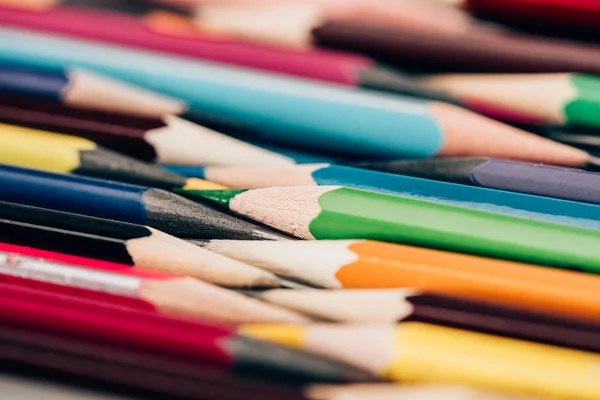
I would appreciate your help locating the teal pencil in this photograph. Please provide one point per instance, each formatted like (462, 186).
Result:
(333, 119)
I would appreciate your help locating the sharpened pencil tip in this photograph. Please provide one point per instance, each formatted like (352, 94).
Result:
(201, 184)
(221, 198)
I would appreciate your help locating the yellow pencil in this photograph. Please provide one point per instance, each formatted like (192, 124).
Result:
(55, 152)
(422, 353)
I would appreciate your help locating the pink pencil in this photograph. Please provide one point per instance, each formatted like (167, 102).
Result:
(163, 33)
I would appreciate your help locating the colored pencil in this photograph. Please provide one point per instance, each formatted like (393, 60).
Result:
(333, 212)
(334, 119)
(172, 33)
(525, 206)
(417, 352)
(121, 371)
(170, 294)
(168, 139)
(83, 89)
(290, 24)
(382, 391)
(541, 180)
(363, 264)
(192, 342)
(139, 205)
(389, 306)
(488, 49)
(122, 243)
(559, 99)
(584, 139)
(55, 152)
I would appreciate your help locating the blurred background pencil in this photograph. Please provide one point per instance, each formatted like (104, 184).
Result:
(69, 154)
(341, 120)
(83, 89)
(558, 99)
(173, 33)
(169, 139)
(140, 205)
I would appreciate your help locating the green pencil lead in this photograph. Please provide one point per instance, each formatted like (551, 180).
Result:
(218, 197)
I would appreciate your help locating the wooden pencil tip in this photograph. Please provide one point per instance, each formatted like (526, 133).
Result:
(201, 184)
(470, 134)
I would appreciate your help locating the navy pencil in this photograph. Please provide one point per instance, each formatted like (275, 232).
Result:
(141, 205)
(83, 89)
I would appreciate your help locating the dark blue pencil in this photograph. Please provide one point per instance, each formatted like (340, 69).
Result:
(82, 89)
(141, 205)
(498, 201)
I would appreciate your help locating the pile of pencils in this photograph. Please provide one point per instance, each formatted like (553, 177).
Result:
(302, 199)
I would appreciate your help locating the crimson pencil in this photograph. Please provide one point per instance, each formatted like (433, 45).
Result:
(195, 342)
(164, 294)
(163, 32)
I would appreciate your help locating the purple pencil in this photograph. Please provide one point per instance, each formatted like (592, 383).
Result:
(513, 176)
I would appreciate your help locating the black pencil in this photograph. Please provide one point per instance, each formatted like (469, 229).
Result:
(123, 243)
(69, 154)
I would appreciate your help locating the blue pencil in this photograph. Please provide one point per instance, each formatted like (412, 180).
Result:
(498, 201)
(82, 89)
(330, 118)
(141, 205)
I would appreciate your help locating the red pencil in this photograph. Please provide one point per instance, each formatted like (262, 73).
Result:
(191, 341)
(166, 294)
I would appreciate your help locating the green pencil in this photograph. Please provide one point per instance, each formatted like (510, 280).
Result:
(557, 98)
(333, 212)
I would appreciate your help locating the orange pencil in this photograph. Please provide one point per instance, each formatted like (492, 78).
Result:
(364, 264)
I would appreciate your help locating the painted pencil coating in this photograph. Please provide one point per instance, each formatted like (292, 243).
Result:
(334, 119)
(22, 81)
(341, 213)
(140, 205)
(417, 352)
(512, 176)
(503, 202)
